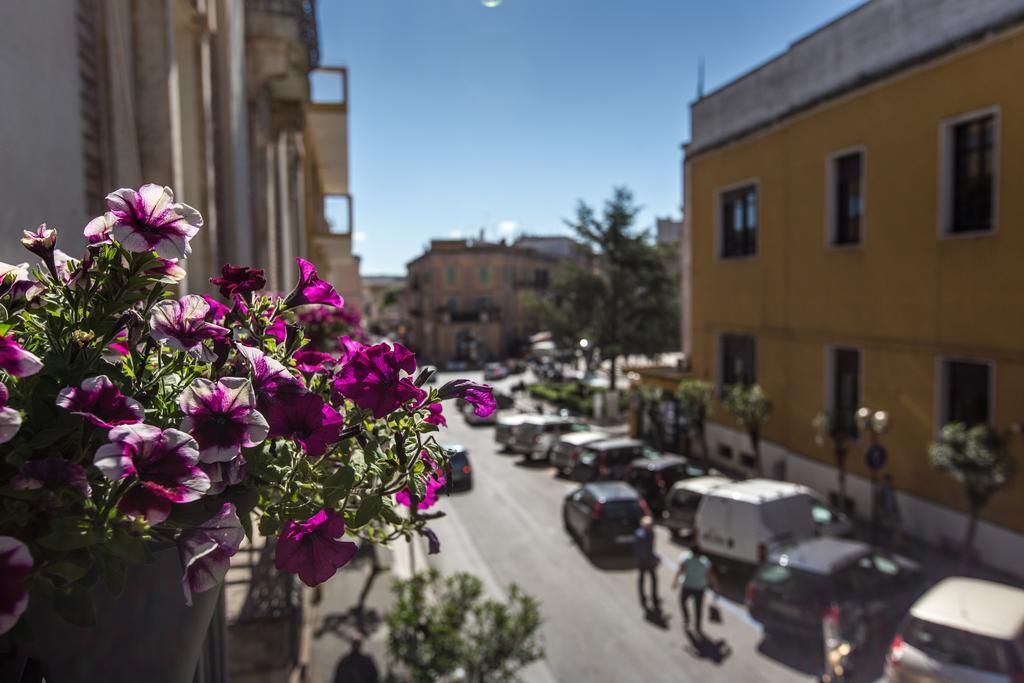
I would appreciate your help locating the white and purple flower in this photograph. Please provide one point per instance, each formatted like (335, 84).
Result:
(207, 549)
(224, 474)
(165, 463)
(101, 403)
(52, 474)
(10, 419)
(182, 325)
(150, 220)
(98, 229)
(15, 565)
(16, 360)
(222, 417)
(41, 241)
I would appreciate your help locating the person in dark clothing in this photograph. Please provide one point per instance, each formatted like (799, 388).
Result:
(356, 666)
(646, 560)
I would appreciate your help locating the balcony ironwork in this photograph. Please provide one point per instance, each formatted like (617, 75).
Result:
(304, 12)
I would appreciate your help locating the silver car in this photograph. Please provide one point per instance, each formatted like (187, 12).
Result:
(567, 449)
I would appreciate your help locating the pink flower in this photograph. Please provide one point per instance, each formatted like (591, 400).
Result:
(272, 382)
(165, 463)
(435, 482)
(312, 361)
(10, 419)
(182, 325)
(16, 360)
(98, 229)
(372, 379)
(434, 416)
(311, 289)
(52, 474)
(222, 417)
(149, 220)
(218, 311)
(206, 550)
(312, 550)
(15, 565)
(240, 280)
(308, 421)
(349, 348)
(101, 403)
(481, 396)
(166, 270)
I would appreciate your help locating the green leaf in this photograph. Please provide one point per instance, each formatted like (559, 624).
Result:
(113, 573)
(48, 437)
(69, 534)
(391, 515)
(76, 607)
(68, 570)
(337, 486)
(3, 313)
(368, 509)
(128, 547)
(268, 526)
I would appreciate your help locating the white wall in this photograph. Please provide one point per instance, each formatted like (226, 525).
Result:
(41, 172)
(936, 525)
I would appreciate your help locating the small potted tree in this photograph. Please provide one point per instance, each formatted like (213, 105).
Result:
(751, 408)
(696, 397)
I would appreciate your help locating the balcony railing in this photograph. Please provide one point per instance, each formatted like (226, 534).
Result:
(304, 12)
(483, 315)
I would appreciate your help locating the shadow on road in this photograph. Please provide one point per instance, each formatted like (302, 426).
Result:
(656, 617)
(613, 562)
(533, 464)
(803, 655)
(716, 651)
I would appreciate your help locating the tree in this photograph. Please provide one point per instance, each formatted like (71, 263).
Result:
(438, 627)
(976, 457)
(837, 428)
(751, 408)
(627, 303)
(696, 397)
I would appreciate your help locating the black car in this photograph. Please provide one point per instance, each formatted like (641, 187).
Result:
(602, 516)
(460, 472)
(867, 590)
(653, 477)
(607, 460)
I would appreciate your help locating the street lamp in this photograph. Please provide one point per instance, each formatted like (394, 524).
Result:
(828, 425)
(875, 423)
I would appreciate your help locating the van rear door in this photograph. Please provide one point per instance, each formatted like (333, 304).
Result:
(785, 521)
(714, 526)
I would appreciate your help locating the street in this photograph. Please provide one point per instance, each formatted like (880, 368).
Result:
(508, 528)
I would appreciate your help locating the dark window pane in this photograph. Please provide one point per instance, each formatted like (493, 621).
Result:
(967, 389)
(738, 360)
(849, 198)
(973, 146)
(739, 222)
(846, 388)
(959, 648)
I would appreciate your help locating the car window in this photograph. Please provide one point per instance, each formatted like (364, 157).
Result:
(791, 585)
(621, 509)
(577, 497)
(459, 459)
(885, 565)
(647, 452)
(695, 471)
(960, 648)
(821, 514)
(578, 427)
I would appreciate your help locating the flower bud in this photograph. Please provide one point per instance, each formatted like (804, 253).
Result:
(41, 242)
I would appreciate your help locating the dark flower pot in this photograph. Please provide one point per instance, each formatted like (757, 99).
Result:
(146, 633)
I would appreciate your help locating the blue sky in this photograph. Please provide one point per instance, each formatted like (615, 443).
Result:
(464, 117)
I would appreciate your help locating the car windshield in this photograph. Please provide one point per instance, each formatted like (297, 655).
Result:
(959, 648)
(459, 459)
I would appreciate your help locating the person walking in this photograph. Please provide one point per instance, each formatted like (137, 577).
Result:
(646, 561)
(889, 513)
(697, 574)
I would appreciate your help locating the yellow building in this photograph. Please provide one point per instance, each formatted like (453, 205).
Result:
(855, 237)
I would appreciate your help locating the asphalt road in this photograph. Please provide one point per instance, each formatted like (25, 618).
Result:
(508, 529)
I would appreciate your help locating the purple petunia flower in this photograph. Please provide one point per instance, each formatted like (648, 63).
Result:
(271, 380)
(41, 241)
(312, 550)
(101, 403)
(372, 379)
(207, 549)
(224, 474)
(434, 416)
(16, 360)
(240, 280)
(278, 331)
(349, 348)
(149, 220)
(10, 419)
(308, 421)
(311, 289)
(434, 483)
(481, 396)
(433, 542)
(52, 474)
(166, 269)
(218, 311)
(182, 325)
(165, 462)
(222, 417)
(98, 229)
(312, 361)
(15, 564)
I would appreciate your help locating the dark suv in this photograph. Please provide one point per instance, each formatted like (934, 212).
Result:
(602, 516)
(653, 477)
(607, 460)
(867, 590)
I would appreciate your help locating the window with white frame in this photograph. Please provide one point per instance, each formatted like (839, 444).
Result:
(970, 148)
(738, 211)
(965, 392)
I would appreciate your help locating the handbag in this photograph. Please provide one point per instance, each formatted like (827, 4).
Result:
(714, 611)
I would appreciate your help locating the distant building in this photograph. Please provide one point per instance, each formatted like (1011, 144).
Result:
(668, 231)
(382, 307)
(466, 300)
(559, 246)
(855, 228)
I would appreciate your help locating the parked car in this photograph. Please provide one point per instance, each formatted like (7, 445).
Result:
(608, 459)
(568, 447)
(653, 477)
(495, 371)
(505, 425)
(682, 502)
(747, 520)
(460, 472)
(961, 630)
(602, 516)
(535, 435)
(864, 589)
(516, 366)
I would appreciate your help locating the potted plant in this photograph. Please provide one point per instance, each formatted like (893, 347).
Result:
(144, 434)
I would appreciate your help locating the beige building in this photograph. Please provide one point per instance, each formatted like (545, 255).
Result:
(382, 309)
(469, 300)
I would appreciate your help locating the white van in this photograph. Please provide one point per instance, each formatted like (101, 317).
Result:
(746, 520)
